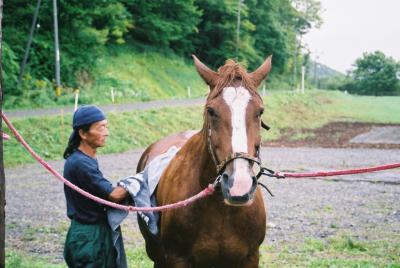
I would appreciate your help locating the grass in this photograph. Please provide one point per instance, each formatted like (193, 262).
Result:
(341, 251)
(143, 76)
(17, 259)
(138, 129)
(133, 75)
(48, 136)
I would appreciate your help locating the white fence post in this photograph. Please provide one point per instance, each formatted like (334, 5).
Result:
(112, 95)
(76, 99)
(303, 70)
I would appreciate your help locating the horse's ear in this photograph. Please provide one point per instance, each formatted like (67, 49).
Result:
(208, 75)
(259, 75)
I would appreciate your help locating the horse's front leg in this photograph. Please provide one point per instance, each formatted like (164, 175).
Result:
(251, 261)
(173, 262)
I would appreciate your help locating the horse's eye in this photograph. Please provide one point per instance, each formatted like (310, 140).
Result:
(259, 114)
(212, 112)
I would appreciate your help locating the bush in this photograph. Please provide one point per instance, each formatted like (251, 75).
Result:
(374, 74)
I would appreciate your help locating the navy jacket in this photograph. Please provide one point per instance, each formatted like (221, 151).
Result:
(83, 171)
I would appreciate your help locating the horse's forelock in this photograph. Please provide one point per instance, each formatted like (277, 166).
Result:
(231, 72)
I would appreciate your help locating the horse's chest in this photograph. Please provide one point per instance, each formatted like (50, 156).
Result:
(208, 247)
(215, 236)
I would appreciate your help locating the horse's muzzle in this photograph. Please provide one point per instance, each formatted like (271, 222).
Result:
(237, 200)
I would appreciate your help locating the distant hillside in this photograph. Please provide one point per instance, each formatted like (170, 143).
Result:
(317, 70)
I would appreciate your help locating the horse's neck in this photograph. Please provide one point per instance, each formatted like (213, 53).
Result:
(201, 163)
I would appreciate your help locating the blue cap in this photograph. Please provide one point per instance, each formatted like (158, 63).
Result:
(87, 114)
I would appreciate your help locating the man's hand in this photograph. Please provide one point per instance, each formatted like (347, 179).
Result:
(118, 194)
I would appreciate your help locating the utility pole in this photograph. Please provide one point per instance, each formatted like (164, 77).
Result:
(2, 177)
(238, 29)
(28, 44)
(56, 49)
(295, 64)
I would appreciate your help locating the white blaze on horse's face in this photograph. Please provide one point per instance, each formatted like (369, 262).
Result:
(238, 99)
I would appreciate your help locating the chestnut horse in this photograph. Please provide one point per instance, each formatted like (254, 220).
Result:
(226, 228)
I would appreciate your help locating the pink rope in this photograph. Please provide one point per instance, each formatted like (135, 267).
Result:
(338, 172)
(207, 191)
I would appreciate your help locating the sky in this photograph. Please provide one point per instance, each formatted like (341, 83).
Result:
(352, 27)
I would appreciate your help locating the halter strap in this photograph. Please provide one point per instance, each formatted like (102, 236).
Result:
(221, 166)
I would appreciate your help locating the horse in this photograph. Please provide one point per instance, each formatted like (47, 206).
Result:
(227, 228)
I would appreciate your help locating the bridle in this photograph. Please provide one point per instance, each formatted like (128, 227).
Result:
(220, 166)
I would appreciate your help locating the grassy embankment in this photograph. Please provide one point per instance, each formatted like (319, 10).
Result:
(133, 75)
(137, 129)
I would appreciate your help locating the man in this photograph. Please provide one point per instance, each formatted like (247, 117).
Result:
(89, 239)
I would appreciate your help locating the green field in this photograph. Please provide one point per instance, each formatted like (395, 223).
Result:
(137, 129)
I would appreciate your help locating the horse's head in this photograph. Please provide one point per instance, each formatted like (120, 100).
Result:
(232, 123)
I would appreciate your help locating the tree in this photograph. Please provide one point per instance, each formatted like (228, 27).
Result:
(274, 31)
(164, 23)
(2, 177)
(374, 74)
(85, 27)
(216, 40)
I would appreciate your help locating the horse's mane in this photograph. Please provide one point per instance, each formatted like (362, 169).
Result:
(228, 74)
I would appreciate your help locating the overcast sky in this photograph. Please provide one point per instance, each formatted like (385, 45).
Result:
(352, 27)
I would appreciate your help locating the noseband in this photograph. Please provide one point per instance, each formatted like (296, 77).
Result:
(222, 165)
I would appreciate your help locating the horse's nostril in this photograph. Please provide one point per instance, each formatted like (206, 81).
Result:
(226, 180)
(255, 181)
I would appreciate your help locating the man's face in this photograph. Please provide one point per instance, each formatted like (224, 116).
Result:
(96, 136)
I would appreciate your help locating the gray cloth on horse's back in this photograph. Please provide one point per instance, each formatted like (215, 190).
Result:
(141, 188)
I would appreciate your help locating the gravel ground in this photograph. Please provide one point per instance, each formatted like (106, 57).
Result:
(365, 206)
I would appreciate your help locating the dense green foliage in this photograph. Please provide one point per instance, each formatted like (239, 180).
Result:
(375, 74)
(84, 28)
(206, 28)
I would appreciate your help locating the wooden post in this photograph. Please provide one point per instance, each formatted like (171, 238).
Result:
(28, 44)
(2, 177)
(56, 50)
(238, 30)
(188, 92)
